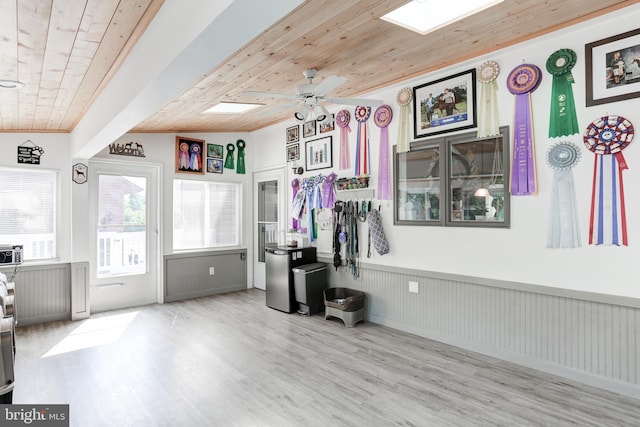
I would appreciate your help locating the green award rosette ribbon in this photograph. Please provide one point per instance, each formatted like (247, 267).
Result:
(241, 144)
(229, 162)
(563, 120)
(488, 117)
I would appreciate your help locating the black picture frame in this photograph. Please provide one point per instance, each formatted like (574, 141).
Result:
(215, 151)
(293, 134)
(434, 115)
(319, 153)
(293, 152)
(309, 129)
(609, 78)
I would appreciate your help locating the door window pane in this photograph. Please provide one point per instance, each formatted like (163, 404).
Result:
(122, 225)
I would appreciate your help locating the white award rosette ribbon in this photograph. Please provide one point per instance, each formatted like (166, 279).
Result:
(564, 226)
(404, 98)
(488, 117)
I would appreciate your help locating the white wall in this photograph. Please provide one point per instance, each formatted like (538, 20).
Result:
(517, 254)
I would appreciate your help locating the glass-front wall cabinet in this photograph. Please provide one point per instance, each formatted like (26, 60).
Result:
(457, 180)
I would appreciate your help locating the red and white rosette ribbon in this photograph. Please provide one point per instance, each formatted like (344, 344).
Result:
(521, 81)
(382, 117)
(342, 120)
(606, 137)
(404, 99)
(361, 115)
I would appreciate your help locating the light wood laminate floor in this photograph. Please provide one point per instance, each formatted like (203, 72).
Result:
(229, 360)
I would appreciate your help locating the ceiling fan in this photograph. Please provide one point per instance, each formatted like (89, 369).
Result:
(309, 98)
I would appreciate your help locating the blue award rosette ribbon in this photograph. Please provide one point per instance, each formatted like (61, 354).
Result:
(564, 230)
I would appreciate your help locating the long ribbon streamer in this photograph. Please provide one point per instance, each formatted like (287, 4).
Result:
(241, 145)
(404, 98)
(342, 120)
(382, 118)
(562, 120)
(488, 116)
(521, 81)
(608, 135)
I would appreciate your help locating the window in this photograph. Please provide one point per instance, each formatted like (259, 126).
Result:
(205, 214)
(28, 211)
(466, 189)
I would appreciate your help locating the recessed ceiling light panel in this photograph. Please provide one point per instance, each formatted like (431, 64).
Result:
(425, 16)
(231, 108)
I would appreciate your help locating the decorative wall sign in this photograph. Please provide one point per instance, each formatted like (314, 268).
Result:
(80, 172)
(606, 137)
(189, 154)
(132, 148)
(445, 105)
(29, 153)
(612, 68)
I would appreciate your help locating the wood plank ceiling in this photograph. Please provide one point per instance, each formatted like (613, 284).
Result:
(66, 51)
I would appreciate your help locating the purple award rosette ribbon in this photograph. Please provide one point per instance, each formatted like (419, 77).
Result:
(382, 117)
(521, 81)
(606, 137)
(295, 186)
(361, 115)
(404, 98)
(342, 120)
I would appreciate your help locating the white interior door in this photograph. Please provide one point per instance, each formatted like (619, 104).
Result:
(269, 218)
(124, 224)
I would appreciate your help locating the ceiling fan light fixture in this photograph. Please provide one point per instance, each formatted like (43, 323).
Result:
(300, 115)
(11, 84)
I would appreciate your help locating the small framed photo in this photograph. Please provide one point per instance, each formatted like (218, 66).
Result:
(214, 165)
(612, 68)
(293, 152)
(319, 153)
(328, 125)
(445, 105)
(293, 134)
(309, 128)
(215, 151)
(189, 154)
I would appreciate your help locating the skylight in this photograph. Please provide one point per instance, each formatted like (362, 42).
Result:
(231, 108)
(425, 16)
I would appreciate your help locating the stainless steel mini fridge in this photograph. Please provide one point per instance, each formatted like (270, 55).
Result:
(279, 263)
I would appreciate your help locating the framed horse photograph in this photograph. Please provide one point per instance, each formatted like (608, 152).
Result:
(445, 105)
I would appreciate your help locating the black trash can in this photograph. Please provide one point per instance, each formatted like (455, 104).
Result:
(309, 281)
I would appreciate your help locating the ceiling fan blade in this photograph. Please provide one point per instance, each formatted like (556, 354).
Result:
(354, 101)
(329, 84)
(276, 110)
(261, 94)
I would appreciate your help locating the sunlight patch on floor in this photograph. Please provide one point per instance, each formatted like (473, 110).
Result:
(93, 333)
